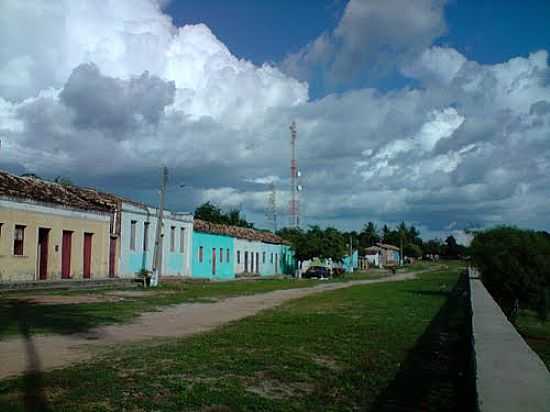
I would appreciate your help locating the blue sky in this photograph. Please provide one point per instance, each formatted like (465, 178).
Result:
(486, 31)
(436, 112)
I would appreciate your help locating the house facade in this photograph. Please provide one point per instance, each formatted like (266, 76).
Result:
(213, 255)
(246, 251)
(138, 230)
(262, 258)
(51, 232)
(383, 254)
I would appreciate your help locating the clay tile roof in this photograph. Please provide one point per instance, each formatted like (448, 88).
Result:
(238, 232)
(372, 250)
(32, 188)
(386, 246)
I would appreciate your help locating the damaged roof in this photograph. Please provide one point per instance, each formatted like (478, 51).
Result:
(35, 189)
(386, 246)
(237, 231)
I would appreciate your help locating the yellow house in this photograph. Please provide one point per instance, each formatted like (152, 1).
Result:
(49, 232)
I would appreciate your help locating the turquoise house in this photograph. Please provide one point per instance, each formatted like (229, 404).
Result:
(222, 252)
(349, 264)
(212, 256)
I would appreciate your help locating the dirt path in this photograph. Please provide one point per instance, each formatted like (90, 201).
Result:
(39, 353)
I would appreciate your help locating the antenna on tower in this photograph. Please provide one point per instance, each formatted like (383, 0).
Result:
(295, 187)
(271, 212)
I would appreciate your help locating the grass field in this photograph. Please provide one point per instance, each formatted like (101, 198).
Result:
(536, 333)
(392, 346)
(79, 317)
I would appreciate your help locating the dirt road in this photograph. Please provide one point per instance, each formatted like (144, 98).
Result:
(39, 353)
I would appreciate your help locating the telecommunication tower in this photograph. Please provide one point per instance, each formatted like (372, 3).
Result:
(271, 212)
(295, 187)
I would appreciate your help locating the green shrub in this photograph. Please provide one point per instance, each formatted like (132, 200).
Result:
(515, 267)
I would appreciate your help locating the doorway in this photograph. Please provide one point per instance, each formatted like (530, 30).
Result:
(87, 269)
(214, 262)
(258, 263)
(112, 256)
(246, 261)
(66, 247)
(43, 240)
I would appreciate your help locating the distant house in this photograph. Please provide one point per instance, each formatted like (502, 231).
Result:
(390, 254)
(373, 255)
(382, 254)
(50, 231)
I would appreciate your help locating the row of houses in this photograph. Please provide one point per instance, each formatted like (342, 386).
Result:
(52, 231)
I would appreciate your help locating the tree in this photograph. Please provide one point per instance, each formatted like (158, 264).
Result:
(386, 232)
(452, 248)
(515, 267)
(434, 247)
(316, 242)
(368, 236)
(412, 250)
(212, 213)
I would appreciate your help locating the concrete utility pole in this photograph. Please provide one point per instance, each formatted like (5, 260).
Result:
(351, 253)
(401, 257)
(157, 256)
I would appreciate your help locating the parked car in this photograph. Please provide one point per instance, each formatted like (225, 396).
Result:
(316, 272)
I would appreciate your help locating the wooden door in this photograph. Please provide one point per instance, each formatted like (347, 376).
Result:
(87, 270)
(43, 237)
(66, 254)
(214, 262)
(112, 255)
(246, 261)
(276, 263)
(258, 262)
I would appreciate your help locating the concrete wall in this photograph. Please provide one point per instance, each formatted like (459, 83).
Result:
(510, 377)
(224, 268)
(35, 215)
(132, 261)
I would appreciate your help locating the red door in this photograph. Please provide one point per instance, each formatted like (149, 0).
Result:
(66, 254)
(214, 261)
(87, 271)
(112, 254)
(43, 235)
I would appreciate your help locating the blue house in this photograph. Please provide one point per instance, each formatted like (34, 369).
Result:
(138, 228)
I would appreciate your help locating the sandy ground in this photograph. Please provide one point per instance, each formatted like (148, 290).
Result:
(45, 352)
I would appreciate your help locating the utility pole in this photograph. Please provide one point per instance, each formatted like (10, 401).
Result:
(157, 256)
(351, 252)
(401, 257)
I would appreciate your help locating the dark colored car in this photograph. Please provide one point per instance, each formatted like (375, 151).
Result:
(316, 272)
